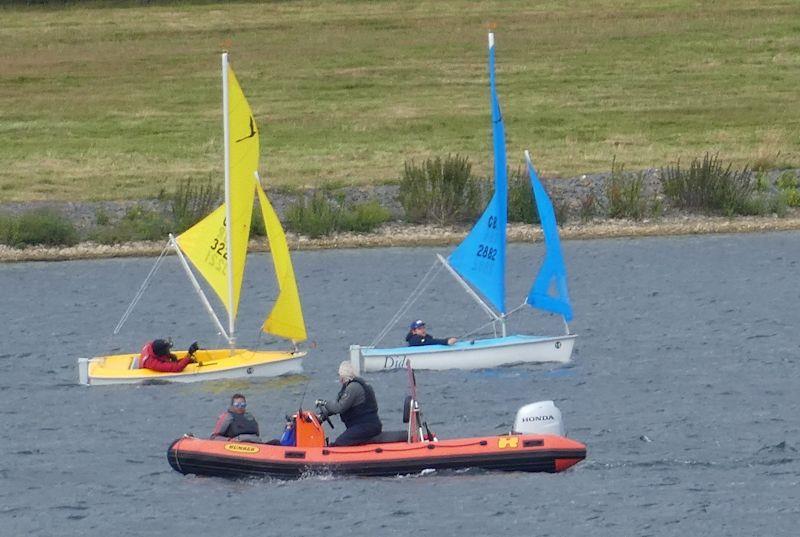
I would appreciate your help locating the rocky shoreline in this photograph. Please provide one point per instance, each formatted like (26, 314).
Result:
(407, 235)
(568, 192)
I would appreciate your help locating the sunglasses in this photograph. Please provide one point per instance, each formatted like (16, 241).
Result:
(240, 404)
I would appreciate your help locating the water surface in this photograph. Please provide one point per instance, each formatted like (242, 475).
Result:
(683, 386)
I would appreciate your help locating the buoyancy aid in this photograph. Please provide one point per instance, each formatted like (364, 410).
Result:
(241, 424)
(366, 412)
(150, 360)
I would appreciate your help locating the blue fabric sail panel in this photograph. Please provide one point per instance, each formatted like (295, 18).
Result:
(553, 273)
(481, 257)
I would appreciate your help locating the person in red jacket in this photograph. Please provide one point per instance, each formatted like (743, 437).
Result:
(156, 356)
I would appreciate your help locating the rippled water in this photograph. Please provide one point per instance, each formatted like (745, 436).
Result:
(684, 386)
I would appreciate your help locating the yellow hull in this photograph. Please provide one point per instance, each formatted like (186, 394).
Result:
(213, 364)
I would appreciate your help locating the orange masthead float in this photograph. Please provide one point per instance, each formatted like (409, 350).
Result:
(536, 444)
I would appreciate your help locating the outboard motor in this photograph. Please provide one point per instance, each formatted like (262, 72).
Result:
(543, 417)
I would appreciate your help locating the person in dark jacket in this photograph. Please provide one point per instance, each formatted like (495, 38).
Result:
(356, 406)
(236, 423)
(156, 356)
(418, 336)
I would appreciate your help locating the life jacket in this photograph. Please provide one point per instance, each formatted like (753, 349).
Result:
(363, 413)
(241, 424)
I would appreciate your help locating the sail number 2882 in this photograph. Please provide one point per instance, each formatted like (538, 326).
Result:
(486, 252)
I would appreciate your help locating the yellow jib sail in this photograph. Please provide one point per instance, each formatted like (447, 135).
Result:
(286, 317)
(205, 243)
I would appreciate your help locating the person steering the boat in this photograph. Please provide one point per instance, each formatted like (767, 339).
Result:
(357, 407)
(156, 356)
(236, 422)
(418, 336)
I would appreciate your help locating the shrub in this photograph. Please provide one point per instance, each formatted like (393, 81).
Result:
(588, 207)
(521, 205)
(793, 198)
(318, 216)
(709, 186)
(365, 217)
(440, 190)
(787, 181)
(625, 193)
(138, 224)
(37, 227)
(192, 201)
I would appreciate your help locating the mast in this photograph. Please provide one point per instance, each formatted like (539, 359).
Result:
(228, 223)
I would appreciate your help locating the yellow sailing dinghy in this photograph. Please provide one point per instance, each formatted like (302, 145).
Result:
(205, 245)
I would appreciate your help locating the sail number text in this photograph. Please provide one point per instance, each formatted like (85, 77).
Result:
(487, 252)
(218, 256)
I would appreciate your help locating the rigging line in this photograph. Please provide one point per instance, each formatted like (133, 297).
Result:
(481, 327)
(141, 290)
(423, 284)
(492, 322)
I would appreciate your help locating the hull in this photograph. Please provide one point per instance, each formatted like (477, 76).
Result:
(214, 365)
(466, 354)
(524, 453)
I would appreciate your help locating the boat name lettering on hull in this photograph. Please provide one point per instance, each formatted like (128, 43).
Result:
(394, 362)
(241, 448)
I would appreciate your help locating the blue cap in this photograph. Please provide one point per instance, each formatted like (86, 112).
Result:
(417, 324)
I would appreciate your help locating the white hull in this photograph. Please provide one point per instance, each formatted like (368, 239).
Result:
(274, 369)
(479, 354)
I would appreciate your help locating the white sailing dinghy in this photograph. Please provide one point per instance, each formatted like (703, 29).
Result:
(478, 264)
(206, 246)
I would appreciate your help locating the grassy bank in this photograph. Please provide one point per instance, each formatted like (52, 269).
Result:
(119, 102)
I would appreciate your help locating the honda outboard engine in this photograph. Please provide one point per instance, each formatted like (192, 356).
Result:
(543, 417)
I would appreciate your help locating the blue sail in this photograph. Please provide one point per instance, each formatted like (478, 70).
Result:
(481, 257)
(553, 268)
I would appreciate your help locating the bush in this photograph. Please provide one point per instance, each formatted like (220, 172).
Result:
(625, 193)
(37, 227)
(440, 190)
(192, 201)
(708, 186)
(521, 204)
(588, 207)
(138, 224)
(365, 217)
(320, 216)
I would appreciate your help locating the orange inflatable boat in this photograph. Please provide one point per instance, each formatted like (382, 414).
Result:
(536, 444)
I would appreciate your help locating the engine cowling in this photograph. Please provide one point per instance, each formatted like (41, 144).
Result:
(542, 417)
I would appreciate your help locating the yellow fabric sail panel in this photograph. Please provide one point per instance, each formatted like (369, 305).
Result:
(205, 242)
(244, 154)
(286, 317)
(204, 245)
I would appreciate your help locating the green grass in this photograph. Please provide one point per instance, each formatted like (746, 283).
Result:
(118, 102)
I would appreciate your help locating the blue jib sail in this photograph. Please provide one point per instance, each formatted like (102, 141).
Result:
(481, 257)
(553, 268)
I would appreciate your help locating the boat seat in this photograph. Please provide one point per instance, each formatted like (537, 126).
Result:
(387, 437)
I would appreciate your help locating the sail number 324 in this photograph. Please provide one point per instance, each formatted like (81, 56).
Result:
(217, 256)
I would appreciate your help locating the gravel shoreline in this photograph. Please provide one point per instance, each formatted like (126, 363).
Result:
(568, 191)
(395, 234)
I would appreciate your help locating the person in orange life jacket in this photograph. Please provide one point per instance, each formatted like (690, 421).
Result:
(236, 423)
(418, 336)
(156, 356)
(356, 406)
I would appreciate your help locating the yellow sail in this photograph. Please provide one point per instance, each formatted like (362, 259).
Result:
(286, 317)
(205, 243)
